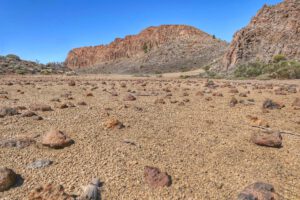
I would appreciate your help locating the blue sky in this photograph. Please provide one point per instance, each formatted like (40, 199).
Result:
(46, 30)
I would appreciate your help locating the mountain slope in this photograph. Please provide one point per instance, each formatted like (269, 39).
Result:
(166, 48)
(274, 30)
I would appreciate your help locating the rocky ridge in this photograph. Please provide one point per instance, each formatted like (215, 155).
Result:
(274, 30)
(164, 48)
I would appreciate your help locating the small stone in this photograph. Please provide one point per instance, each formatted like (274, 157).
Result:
(89, 94)
(269, 104)
(38, 118)
(129, 97)
(49, 192)
(258, 191)
(233, 90)
(91, 191)
(255, 121)
(296, 102)
(233, 102)
(72, 83)
(39, 164)
(159, 101)
(155, 178)
(56, 139)
(199, 93)
(40, 107)
(28, 114)
(208, 98)
(81, 103)
(243, 94)
(113, 123)
(7, 178)
(268, 139)
(6, 111)
(17, 143)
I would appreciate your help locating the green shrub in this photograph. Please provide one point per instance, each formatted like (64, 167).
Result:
(278, 58)
(13, 57)
(145, 48)
(278, 70)
(21, 71)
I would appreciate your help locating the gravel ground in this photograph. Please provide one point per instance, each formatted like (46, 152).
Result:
(203, 145)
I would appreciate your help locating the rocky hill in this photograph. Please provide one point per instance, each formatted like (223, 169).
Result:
(13, 64)
(274, 30)
(166, 48)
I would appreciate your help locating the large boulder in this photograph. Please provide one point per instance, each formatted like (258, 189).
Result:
(56, 139)
(7, 178)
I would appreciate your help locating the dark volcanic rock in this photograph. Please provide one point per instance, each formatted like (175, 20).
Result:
(7, 178)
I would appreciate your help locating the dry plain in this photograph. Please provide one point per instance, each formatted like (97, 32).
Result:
(185, 127)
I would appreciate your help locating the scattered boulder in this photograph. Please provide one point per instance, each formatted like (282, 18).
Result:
(82, 103)
(233, 90)
(113, 123)
(6, 111)
(255, 121)
(159, 101)
(155, 178)
(72, 83)
(40, 107)
(199, 93)
(56, 139)
(296, 102)
(89, 94)
(129, 97)
(7, 178)
(36, 117)
(270, 104)
(233, 102)
(50, 192)
(268, 139)
(39, 164)
(17, 143)
(258, 191)
(91, 191)
(28, 114)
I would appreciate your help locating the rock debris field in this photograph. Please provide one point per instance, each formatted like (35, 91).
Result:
(96, 137)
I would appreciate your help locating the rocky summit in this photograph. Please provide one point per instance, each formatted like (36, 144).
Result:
(275, 30)
(165, 48)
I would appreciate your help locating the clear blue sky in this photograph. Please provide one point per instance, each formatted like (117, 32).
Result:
(46, 30)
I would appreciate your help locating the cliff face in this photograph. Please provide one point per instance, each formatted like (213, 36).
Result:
(163, 48)
(274, 30)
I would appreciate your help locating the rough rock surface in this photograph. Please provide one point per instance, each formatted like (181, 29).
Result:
(258, 191)
(272, 139)
(155, 178)
(156, 49)
(274, 30)
(56, 139)
(50, 192)
(7, 178)
(17, 142)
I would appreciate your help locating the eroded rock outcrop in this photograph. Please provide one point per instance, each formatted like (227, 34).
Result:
(274, 30)
(155, 49)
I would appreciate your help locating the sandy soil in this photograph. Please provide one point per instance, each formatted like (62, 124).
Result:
(203, 145)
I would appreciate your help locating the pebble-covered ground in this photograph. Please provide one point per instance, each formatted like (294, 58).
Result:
(185, 127)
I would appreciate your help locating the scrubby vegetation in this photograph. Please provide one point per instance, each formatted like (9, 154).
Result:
(279, 68)
(13, 64)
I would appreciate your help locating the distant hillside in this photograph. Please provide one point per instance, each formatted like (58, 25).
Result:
(166, 48)
(12, 64)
